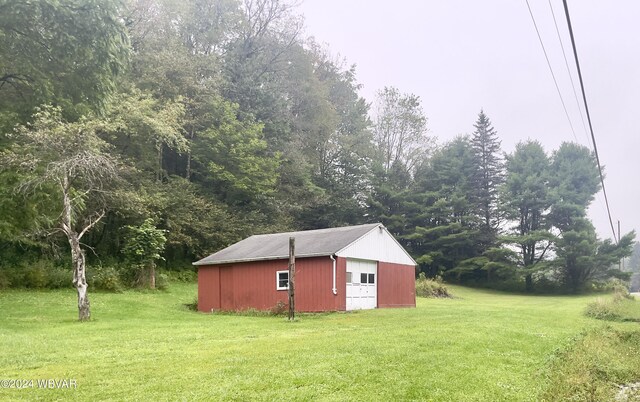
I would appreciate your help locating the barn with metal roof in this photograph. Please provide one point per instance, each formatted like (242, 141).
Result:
(345, 268)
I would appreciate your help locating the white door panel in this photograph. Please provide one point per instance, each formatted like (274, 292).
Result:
(362, 284)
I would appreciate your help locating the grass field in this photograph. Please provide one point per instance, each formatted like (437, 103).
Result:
(481, 345)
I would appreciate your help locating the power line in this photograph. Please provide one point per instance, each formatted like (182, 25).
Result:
(566, 63)
(586, 108)
(551, 69)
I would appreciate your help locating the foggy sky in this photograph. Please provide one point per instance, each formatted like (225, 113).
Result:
(461, 56)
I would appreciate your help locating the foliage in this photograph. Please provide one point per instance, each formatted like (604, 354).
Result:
(105, 278)
(487, 177)
(222, 120)
(573, 184)
(582, 258)
(525, 200)
(70, 158)
(38, 274)
(430, 287)
(400, 129)
(162, 281)
(233, 158)
(182, 276)
(441, 210)
(593, 366)
(65, 52)
(621, 309)
(144, 243)
(143, 246)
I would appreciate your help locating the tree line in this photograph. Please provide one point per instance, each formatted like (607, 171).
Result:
(211, 120)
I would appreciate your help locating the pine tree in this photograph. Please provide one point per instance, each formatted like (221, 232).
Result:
(487, 176)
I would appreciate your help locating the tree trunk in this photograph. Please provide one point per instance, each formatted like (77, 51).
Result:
(159, 173)
(529, 283)
(188, 173)
(77, 254)
(152, 276)
(79, 278)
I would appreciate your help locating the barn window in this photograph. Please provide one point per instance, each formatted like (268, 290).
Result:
(367, 278)
(282, 280)
(349, 277)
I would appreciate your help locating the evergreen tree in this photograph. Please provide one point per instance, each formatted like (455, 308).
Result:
(583, 258)
(486, 178)
(573, 183)
(440, 213)
(526, 201)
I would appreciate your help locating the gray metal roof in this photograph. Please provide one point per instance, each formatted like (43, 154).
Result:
(309, 243)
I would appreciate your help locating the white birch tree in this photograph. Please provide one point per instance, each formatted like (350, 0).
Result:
(69, 160)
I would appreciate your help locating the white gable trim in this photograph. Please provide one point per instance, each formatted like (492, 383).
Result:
(379, 245)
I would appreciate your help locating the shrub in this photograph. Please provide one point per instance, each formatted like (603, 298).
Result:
(104, 278)
(430, 287)
(280, 308)
(129, 275)
(162, 281)
(186, 276)
(58, 278)
(35, 276)
(614, 285)
(194, 305)
(15, 276)
(618, 308)
(4, 280)
(601, 309)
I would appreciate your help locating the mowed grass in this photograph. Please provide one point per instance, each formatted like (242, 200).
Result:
(481, 345)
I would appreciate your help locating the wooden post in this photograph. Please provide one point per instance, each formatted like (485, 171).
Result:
(292, 277)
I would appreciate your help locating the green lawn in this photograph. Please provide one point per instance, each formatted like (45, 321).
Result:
(148, 346)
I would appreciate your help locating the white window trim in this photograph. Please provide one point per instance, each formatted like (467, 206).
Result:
(278, 287)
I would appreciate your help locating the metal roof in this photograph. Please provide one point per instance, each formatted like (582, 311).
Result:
(309, 243)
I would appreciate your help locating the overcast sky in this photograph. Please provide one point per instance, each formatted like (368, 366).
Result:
(461, 56)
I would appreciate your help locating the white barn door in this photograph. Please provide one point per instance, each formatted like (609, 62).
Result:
(362, 284)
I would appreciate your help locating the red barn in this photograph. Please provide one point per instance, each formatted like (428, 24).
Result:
(347, 268)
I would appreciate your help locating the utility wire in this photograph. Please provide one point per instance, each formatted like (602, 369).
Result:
(586, 108)
(551, 69)
(566, 63)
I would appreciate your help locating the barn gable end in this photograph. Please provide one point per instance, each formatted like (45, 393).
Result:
(379, 245)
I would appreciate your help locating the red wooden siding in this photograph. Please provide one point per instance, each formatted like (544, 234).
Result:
(396, 285)
(208, 289)
(247, 285)
(341, 283)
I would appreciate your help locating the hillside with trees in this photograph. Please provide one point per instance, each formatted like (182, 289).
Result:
(211, 120)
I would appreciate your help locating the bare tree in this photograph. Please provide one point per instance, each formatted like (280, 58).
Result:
(72, 161)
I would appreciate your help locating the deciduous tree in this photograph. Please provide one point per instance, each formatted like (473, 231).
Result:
(63, 52)
(144, 245)
(70, 159)
(400, 129)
